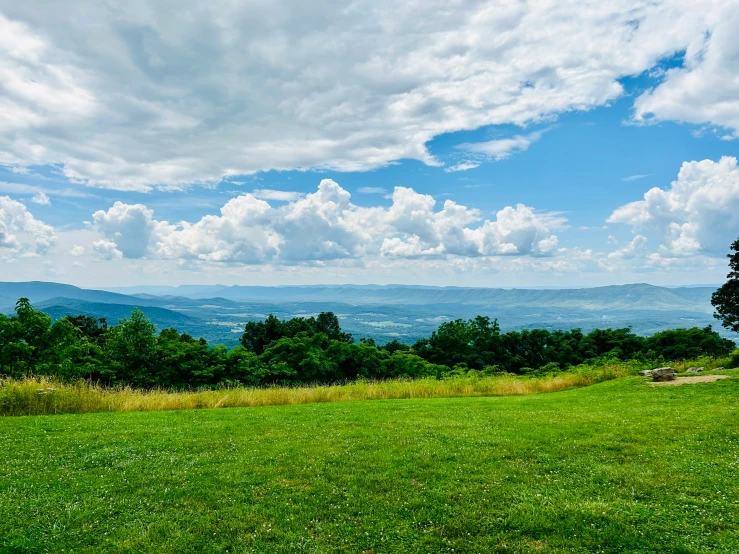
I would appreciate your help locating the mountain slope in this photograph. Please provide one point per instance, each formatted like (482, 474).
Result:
(631, 297)
(40, 291)
(161, 317)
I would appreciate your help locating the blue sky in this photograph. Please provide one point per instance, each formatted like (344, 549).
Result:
(144, 161)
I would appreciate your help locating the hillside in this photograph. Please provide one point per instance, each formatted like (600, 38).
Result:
(40, 291)
(384, 313)
(634, 297)
(161, 317)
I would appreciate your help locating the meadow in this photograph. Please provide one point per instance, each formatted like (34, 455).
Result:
(43, 395)
(619, 466)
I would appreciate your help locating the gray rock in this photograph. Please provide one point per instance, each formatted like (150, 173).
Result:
(646, 373)
(694, 370)
(718, 369)
(663, 374)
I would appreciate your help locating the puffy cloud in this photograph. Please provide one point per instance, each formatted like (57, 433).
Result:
(130, 227)
(324, 226)
(698, 214)
(21, 232)
(705, 89)
(239, 235)
(106, 250)
(138, 94)
(634, 249)
(41, 199)
(77, 251)
(519, 231)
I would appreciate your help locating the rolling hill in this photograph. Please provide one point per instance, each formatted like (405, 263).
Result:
(384, 313)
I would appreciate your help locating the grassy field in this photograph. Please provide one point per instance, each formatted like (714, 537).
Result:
(46, 396)
(616, 467)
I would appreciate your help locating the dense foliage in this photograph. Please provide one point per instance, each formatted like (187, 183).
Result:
(726, 298)
(478, 343)
(311, 350)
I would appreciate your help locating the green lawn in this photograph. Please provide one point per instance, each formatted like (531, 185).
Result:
(616, 467)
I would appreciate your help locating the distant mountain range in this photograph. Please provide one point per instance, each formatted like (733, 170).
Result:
(382, 312)
(638, 296)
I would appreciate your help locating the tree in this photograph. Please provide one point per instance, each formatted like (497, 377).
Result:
(259, 335)
(683, 344)
(726, 298)
(131, 350)
(328, 324)
(90, 327)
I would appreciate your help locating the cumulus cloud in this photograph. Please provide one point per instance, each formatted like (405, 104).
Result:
(324, 226)
(634, 249)
(106, 250)
(138, 95)
(129, 227)
(697, 214)
(705, 88)
(41, 199)
(20, 232)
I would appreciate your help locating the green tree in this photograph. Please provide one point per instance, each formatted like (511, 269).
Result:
(131, 350)
(73, 355)
(258, 335)
(90, 327)
(15, 354)
(726, 298)
(682, 344)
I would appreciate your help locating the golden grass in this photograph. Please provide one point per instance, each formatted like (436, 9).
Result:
(44, 395)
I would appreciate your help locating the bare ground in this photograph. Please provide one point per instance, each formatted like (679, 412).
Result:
(692, 380)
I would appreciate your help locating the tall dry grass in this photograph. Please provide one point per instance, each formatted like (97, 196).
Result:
(44, 395)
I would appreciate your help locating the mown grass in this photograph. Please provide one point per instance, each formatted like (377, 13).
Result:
(614, 467)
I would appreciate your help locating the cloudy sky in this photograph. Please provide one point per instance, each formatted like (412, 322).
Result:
(454, 142)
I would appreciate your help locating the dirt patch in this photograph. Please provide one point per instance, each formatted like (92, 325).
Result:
(691, 380)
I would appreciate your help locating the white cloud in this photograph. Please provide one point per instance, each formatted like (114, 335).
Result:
(20, 232)
(634, 249)
(325, 226)
(130, 227)
(631, 178)
(77, 251)
(698, 214)
(106, 250)
(135, 95)
(705, 89)
(502, 148)
(21, 188)
(461, 166)
(271, 194)
(41, 199)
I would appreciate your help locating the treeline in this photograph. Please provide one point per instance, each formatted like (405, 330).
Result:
(311, 350)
